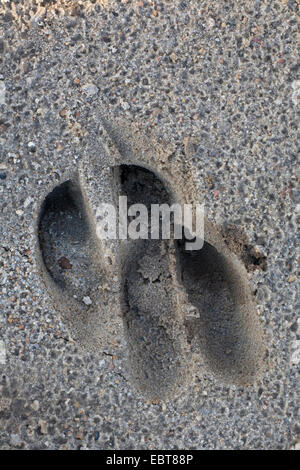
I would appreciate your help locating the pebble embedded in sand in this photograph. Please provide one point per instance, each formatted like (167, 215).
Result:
(87, 300)
(2, 353)
(2, 92)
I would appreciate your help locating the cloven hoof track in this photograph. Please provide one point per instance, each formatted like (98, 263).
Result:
(157, 277)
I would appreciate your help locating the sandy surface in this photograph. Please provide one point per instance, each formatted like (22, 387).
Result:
(219, 83)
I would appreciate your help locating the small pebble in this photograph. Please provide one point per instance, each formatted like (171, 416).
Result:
(2, 353)
(28, 201)
(296, 92)
(35, 405)
(2, 92)
(31, 146)
(125, 105)
(295, 356)
(90, 89)
(79, 435)
(43, 426)
(64, 263)
(87, 300)
(211, 22)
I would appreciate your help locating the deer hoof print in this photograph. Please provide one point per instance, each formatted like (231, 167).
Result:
(139, 290)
